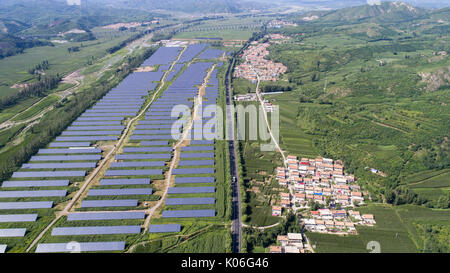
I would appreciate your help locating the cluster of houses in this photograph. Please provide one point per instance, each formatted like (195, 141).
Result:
(256, 64)
(337, 221)
(290, 243)
(321, 180)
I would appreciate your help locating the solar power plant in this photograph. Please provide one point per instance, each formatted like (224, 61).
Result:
(99, 118)
(26, 205)
(202, 142)
(83, 247)
(121, 108)
(137, 164)
(88, 128)
(197, 155)
(188, 213)
(59, 165)
(69, 144)
(95, 123)
(120, 192)
(95, 230)
(152, 137)
(176, 68)
(164, 67)
(140, 81)
(108, 203)
(146, 149)
(164, 228)
(132, 181)
(12, 232)
(21, 194)
(70, 151)
(194, 171)
(152, 132)
(87, 138)
(133, 172)
(155, 143)
(197, 148)
(143, 156)
(65, 157)
(190, 201)
(15, 218)
(90, 133)
(189, 180)
(3, 248)
(191, 52)
(49, 174)
(77, 216)
(164, 55)
(179, 190)
(211, 54)
(195, 162)
(35, 183)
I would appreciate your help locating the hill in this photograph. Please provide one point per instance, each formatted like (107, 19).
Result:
(385, 12)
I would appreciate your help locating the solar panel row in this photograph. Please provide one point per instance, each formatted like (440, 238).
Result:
(80, 247)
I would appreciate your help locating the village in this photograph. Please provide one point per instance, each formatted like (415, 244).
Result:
(256, 63)
(325, 196)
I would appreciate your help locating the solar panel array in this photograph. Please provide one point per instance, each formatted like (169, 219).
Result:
(188, 213)
(78, 216)
(95, 230)
(211, 54)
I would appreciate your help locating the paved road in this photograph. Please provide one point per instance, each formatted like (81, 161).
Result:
(236, 217)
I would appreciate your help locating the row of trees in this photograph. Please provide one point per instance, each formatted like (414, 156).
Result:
(42, 66)
(35, 89)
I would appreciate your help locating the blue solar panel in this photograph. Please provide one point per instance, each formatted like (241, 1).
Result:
(108, 203)
(154, 143)
(133, 172)
(143, 156)
(95, 230)
(190, 201)
(12, 232)
(194, 171)
(156, 126)
(87, 138)
(26, 205)
(83, 247)
(95, 123)
(88, 128)
(164, 55)
(131, 181)
(178, 190)
(99, 118)
(189, 180)
(164, 228)
(146, 149)
(35, 183)
(13, 218)
(152, 137)
(90, 133)
(66, 158)
(195, 162)
(104, 192)
(49, 174)
(59, 165)
(153, 132)
(197, 155)
(202, 142)
(69, 144)
(70, 151)
(19, 194)
(188, 213)
(105, 215)
(137, 164)
(198, 148)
